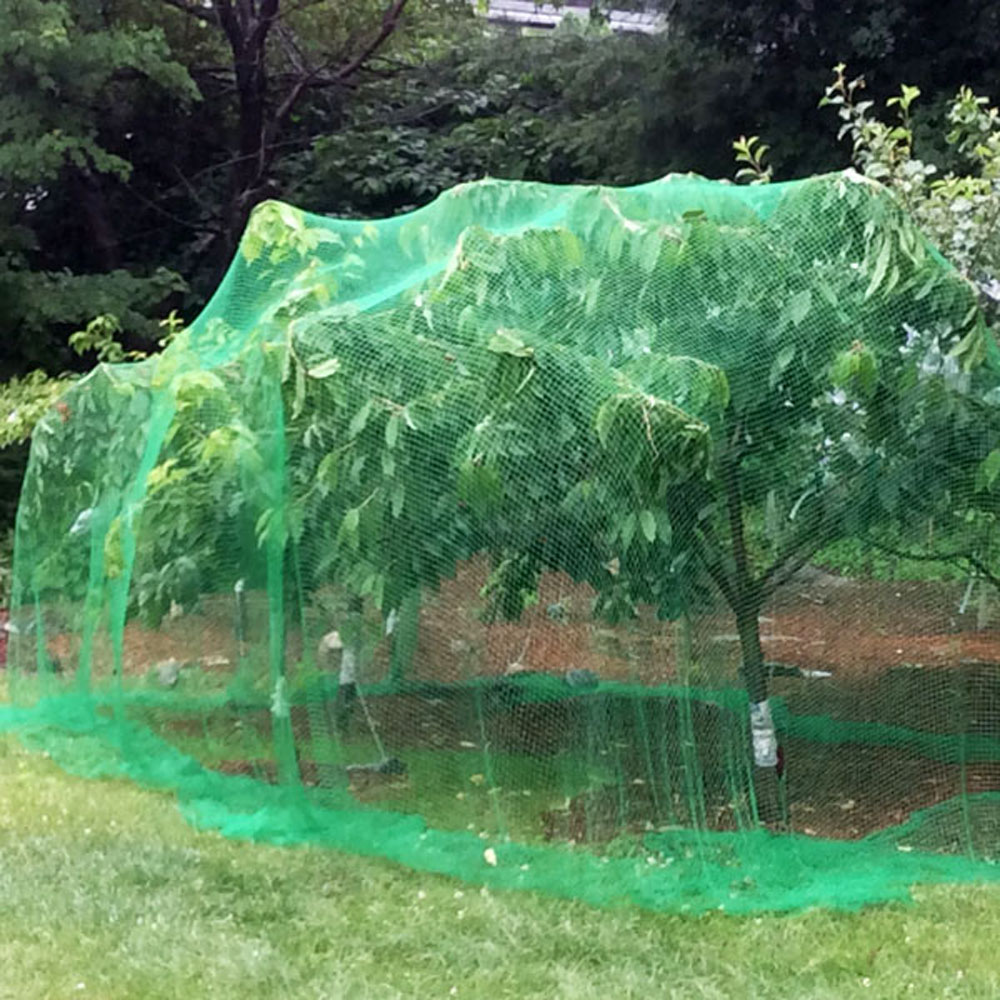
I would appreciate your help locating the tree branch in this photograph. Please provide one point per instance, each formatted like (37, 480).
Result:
(790, 562)
(973, 560)
(719, 578)
(390, 20)
(195, 226)
(286, 11)
(310, 77)
(812, 537)
(265, 19)
(746, 589)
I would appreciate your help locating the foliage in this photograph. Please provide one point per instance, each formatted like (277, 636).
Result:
(64, 73)
(122, 135)
(697, 444)
(757, 63)
(575, 104)
(278, 53)
(23, 402)
(958, 210)
(750, 154)
(567, 106)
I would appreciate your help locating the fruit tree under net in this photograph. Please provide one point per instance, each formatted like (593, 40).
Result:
(622, 544)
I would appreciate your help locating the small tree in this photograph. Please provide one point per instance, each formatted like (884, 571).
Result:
(660, 394)
(711, 400)
(958, 210)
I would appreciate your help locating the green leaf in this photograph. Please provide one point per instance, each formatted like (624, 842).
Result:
(572, 248)
(664, 529)
(262, 526)
(509, 342)
(648, 524)
(349, 527)
(971, 349)
(300, 392)
(933, 281)
(842, 369)
(290, 216)
(360, 420)
(615, 242)
(990, 469)
(605, 418)
(828, 293)
(881, 266)
(566, 430)
(627, 531)
(781, 362)
(392, 431)
(466, 318)
(325, 368)
(649, 251)
(398, 496)
(799, 306)
(326, 471)
(867, 372)
(251, 246)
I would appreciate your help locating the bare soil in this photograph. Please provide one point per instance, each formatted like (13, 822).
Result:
(898, 653)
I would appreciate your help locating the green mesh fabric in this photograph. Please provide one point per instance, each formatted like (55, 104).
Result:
(629, 545)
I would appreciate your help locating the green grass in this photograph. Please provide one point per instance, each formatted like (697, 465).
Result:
(106, 892)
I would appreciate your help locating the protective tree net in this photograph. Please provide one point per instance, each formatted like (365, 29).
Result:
(621, 544)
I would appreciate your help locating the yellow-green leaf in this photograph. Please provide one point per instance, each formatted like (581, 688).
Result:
(648, 524)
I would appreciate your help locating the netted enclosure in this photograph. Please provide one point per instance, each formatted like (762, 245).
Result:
(623, 544)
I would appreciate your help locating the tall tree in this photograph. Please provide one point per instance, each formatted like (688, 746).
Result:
(66, 72)
(279, 53)
(757, 65)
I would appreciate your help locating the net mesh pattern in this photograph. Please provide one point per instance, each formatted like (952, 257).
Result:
(622, 544)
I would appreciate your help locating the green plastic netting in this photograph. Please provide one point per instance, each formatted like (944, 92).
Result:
(622, 544)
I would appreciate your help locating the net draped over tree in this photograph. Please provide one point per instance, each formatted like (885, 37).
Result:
(467, 538)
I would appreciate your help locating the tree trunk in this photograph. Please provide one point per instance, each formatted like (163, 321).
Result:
(262, 114)
(103, 234)
(762, 734)
(247, 178)
(684, 646)
(751, 654)
(745, 599)
(247, 32)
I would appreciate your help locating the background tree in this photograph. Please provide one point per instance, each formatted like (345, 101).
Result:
(277, 55)
(756, 67)
(69, 76)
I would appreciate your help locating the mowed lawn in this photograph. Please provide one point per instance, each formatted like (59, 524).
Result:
(106, 892)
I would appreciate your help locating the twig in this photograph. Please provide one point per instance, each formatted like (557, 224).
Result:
(969, 557)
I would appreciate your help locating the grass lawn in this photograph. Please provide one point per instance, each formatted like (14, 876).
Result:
(106, 892)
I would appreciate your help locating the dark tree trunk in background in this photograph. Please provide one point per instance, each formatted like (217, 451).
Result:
(103, 234)
(247, 30)
(265, 105)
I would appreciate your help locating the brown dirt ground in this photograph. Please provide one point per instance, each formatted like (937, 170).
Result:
(849, 627)
(894, 650)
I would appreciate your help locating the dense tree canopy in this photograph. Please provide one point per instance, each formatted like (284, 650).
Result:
(136, 136)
